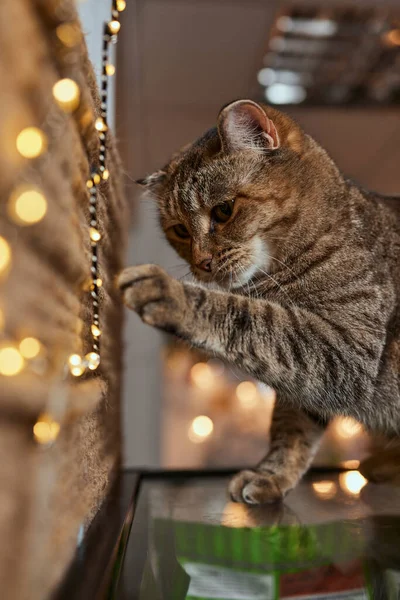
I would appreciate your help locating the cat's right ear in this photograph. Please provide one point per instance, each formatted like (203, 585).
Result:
(152, 181)
(244, 125)
(247, 125)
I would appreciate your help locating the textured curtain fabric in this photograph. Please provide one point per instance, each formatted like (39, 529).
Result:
(48, 491)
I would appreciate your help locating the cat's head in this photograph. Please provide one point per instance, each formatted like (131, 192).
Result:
(226, 200)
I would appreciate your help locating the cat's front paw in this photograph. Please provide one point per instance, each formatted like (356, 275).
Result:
(255, 487)
(157, 297)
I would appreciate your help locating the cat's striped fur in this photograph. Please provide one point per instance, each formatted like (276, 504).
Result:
(308, 276)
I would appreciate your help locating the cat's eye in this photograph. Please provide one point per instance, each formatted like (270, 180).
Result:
(222, 212)
(181, 231)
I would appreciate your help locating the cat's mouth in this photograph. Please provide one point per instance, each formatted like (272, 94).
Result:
(236, 268)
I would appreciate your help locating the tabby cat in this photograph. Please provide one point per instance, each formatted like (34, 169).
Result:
(305, 281)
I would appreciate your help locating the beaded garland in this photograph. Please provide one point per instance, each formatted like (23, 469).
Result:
(27, 205)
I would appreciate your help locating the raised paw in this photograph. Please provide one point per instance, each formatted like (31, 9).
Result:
(255, 487)
(153, 294)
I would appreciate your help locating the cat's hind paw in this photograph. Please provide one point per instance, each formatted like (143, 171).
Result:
(255, 487)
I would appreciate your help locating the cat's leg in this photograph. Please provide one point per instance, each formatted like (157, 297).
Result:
(326, 362)
(294, 440)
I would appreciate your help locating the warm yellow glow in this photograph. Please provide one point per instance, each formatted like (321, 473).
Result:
(99, 282)
(31, 142)
(121, 5)
(45, 430)
(89, 183)
(67, 94)
(100, 124)
(93, 360)
(5, 254)
(247, 394)
(110, 69)
(95, 235)
(106, 174)
(200, 428)
(69, 34)
(11, 361)
(202, 376)
(96, 178)
(29, 347)
(350, 464)
(347, 428)
(27, 205)
(392, 38)
(114, 26)
(77, 365)
(325, 489)
(352, 482)
(95, 331)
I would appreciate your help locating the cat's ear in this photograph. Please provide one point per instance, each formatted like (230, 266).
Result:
(152, 181)
(244, 125)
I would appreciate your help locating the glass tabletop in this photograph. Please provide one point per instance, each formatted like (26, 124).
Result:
(334, 537)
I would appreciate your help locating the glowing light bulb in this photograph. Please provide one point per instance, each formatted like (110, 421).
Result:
(106, 174)
(93, 360)
(11, 361)
(27, 205)
(45, 430)
(69, 34)
(67, 95)
(247, 394)
(325, 489)
(96, 178)
(77, 365)
(5, 254)
(95, 331)
(202, 376)
(99, 282)
(200, 429)
(352, 482)
(114, 26)
(31, 142)
(89, 183)
(121, 5)
(110, 70)
(100, 124)
(95, 235)
(29, 347)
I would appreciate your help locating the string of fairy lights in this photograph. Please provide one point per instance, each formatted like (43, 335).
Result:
(27, 205)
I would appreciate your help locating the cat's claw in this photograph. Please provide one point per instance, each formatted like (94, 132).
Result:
(255, 487)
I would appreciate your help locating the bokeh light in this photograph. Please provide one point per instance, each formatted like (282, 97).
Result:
(200, 429)
(202, 376)
(352, 482)
(29, 347)
(247, 394)
(31, 142)
(27, 205)
(67, 95)
(325, 489)
(11, 361)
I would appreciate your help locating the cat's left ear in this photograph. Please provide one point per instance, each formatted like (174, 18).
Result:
(152, 181)
(244, 125)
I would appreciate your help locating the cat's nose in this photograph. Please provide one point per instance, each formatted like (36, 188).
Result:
(205, 264)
